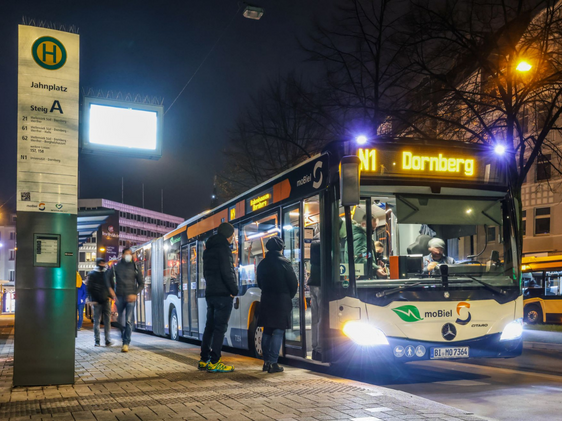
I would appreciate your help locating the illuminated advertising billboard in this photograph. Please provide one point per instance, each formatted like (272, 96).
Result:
(122, 128)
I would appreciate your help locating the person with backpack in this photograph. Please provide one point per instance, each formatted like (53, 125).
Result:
(278, 283)
(99, 291)
(128, 283)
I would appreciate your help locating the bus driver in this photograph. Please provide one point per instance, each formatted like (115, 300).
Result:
(436, 256)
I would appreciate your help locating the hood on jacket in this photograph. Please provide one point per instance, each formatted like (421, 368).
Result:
(217, 240)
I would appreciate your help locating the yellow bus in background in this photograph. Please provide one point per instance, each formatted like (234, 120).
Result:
(542, 294)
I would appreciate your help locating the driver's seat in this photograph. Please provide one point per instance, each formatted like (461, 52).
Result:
(420, 245)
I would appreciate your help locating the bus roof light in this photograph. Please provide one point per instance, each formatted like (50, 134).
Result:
(499, 149)
(361, 139)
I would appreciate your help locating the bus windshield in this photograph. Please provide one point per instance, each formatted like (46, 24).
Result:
(413, 236)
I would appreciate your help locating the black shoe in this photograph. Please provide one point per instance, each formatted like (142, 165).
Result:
(97, 344)
(266, 366)
(316, 356)
(275, 368)
(108, 343)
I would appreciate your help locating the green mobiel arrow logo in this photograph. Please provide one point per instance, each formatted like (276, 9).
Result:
(408, 313)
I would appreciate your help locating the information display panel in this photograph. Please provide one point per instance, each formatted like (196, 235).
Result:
(434, 162)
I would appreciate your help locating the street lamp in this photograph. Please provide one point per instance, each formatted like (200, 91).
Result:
(253, 12)
(499, 149)
(523, 66)
(102, 249)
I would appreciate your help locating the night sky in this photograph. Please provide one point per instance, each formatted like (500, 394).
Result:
(152, 48)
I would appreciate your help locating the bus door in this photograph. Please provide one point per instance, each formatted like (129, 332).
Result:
(189, 288)
(295, 336)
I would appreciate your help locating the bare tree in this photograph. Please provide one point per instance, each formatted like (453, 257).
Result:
(363, 53)
(282, 126)
(475, 87)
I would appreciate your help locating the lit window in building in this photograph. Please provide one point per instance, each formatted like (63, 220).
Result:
(542, 221)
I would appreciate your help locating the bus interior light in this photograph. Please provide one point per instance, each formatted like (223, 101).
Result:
(513, 330)
(364, 334)
(288, 227)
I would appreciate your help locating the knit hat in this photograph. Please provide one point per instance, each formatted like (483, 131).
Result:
(226, 229)
(436, 243)
(99, 260)
(275, 244)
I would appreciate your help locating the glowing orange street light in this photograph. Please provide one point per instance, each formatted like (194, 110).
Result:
(102, 249)
(523, 66)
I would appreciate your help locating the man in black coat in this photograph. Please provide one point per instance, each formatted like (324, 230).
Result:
(128, 283)
(99, 291)
(279, 285)
(222, 287)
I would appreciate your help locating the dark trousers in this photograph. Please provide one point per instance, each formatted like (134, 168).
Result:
(272, 341)
(102, 310)
(218, 314)
(80, 309)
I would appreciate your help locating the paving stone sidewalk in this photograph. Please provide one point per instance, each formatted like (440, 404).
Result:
(158, 380)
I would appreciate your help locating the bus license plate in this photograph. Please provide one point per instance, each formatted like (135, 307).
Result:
(451, 352)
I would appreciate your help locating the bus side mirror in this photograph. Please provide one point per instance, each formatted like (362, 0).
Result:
(349, 180)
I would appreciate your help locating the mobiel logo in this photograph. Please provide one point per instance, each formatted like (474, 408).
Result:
(410, 313)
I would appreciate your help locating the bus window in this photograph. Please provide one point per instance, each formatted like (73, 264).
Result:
(172, 269)
(253, 238)
(458, 228)
(553, 284)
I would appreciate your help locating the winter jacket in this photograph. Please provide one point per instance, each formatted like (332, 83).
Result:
(314, 279)
(218, 268)
(126, 277)
(98, 286)
(278, 284)
(82, 294)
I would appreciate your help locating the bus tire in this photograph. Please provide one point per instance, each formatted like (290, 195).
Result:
(255, 335)
(174, 325)
(533, 314)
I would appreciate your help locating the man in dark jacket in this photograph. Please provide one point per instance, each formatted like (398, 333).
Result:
(278, 284)
(99, 291)
(222, 287)
(128, 283)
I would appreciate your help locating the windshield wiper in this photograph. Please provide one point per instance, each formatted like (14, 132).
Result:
(487, 285)
(401, 288)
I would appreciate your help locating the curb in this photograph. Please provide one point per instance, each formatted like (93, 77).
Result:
(542, 345)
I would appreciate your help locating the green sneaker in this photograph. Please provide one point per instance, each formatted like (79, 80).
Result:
(219, 368)
(203, 365)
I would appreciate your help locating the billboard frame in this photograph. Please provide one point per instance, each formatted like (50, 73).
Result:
(86, 147)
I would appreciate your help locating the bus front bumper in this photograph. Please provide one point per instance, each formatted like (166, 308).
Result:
(403, 350)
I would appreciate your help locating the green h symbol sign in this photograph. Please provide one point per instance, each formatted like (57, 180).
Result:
(45, 51)
(51, 53)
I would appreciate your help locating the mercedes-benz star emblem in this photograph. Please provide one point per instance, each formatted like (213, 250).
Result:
(449, 331)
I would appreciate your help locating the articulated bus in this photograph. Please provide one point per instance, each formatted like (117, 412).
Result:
(542, 295)
(376, 295)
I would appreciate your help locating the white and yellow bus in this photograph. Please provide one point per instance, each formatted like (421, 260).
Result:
(374, 300)
(542, 296)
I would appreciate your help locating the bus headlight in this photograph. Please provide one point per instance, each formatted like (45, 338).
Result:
(364, 334)
(512, 331)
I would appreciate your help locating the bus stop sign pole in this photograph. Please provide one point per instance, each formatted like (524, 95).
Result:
(47, 180)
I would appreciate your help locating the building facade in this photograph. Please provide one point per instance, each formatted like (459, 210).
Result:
(129, 226)
(8, 261)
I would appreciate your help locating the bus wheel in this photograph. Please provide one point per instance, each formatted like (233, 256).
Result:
(174, 325)
(533, 314)
(255, 335)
